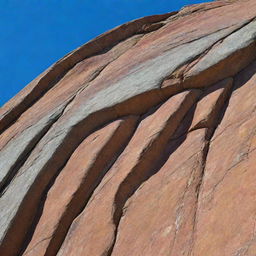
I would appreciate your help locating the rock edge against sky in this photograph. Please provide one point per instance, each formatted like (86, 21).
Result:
(140, 142)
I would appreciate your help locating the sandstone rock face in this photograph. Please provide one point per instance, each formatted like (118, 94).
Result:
(141, 142)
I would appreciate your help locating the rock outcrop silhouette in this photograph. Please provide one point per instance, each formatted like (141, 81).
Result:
(141, 142)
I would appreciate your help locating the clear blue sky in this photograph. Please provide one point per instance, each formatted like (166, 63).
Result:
(36, 33)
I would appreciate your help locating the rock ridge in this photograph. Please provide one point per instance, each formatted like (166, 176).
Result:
(140, 142)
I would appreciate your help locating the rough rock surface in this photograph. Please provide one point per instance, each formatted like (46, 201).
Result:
(141, 142)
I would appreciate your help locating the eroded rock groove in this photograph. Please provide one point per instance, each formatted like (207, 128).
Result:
(140, 142)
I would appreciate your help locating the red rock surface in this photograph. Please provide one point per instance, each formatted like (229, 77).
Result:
(140, 142)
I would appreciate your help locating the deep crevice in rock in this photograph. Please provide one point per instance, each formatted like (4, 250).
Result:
(32, 203)
(146, 167)
(29, 148)
(210, 133)
(95, 174)
(80, 131)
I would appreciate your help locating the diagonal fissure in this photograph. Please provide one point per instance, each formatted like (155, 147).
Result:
(12, 169)
(146, 166)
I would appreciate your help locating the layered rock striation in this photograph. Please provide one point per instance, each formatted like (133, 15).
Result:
(141, 142)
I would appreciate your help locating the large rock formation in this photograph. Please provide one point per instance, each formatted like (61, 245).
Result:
(141, 142)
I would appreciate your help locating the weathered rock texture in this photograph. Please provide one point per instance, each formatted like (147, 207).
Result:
(142, 142)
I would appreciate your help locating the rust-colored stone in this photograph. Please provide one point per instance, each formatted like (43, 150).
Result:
(141, 142)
